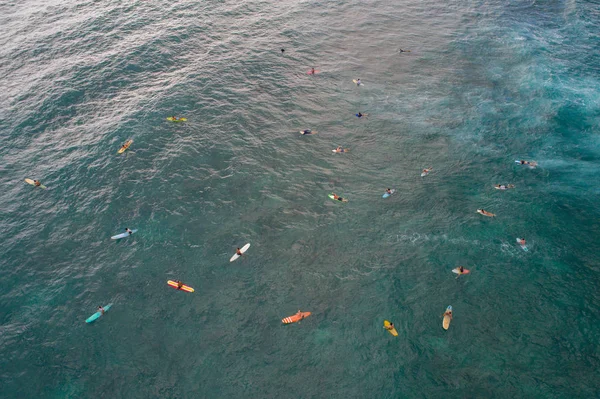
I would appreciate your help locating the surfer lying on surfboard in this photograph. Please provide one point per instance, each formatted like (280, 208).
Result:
(521, 241)
(238, 252)
(485, 213)
(101, 310)
(37, 183)
(504, 186)
(338, 198)
(307, 131)
(340, 149)
(128, 230)
(448, 313)
(532, 164)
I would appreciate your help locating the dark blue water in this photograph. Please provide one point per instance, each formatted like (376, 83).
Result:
(484, 84)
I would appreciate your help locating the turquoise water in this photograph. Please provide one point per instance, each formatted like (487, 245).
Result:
(485, 83)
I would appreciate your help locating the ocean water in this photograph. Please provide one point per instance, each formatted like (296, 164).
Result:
(485, 83)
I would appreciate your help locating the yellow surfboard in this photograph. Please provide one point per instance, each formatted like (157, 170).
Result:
(392, 331)
(125, 146)
(172, 119)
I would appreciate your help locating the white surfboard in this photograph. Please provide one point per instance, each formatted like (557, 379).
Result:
(242, 250)
(123, 235)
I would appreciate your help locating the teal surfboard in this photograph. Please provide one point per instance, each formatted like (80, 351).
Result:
(96, 315)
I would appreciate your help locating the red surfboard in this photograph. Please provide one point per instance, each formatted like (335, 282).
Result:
(295, 318)
(183, 288)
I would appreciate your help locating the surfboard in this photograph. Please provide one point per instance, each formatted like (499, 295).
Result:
(308, 134)
(125, 146)
(170, 118)
(96, 315)
(447, 319)
(357, 82)
(457, 271)
(488, 214)
(506, 187)
(386, 194)
(183, 287)
(33, 184)
(340, 152)
(332, 197)
(123, 235)
(242, 250)
(522, 246)
(295, 318)
(392, 331)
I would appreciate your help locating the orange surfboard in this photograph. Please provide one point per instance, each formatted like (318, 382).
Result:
(297, 317)
(184, 288)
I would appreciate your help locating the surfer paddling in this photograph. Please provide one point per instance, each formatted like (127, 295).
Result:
(338, 198)
(238, 252)
(448, 313)
(531, 164)
(485, 213)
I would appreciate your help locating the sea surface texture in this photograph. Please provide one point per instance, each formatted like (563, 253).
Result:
(485, 83)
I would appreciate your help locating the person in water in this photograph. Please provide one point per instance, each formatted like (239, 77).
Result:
(312, 71)
(358, 82)
(127, 230)
(359, 115)
(238, 252)
(390, 327)
(388, 191)
(337, 197)
(37, 183)
(101, 310)
(282, 50)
